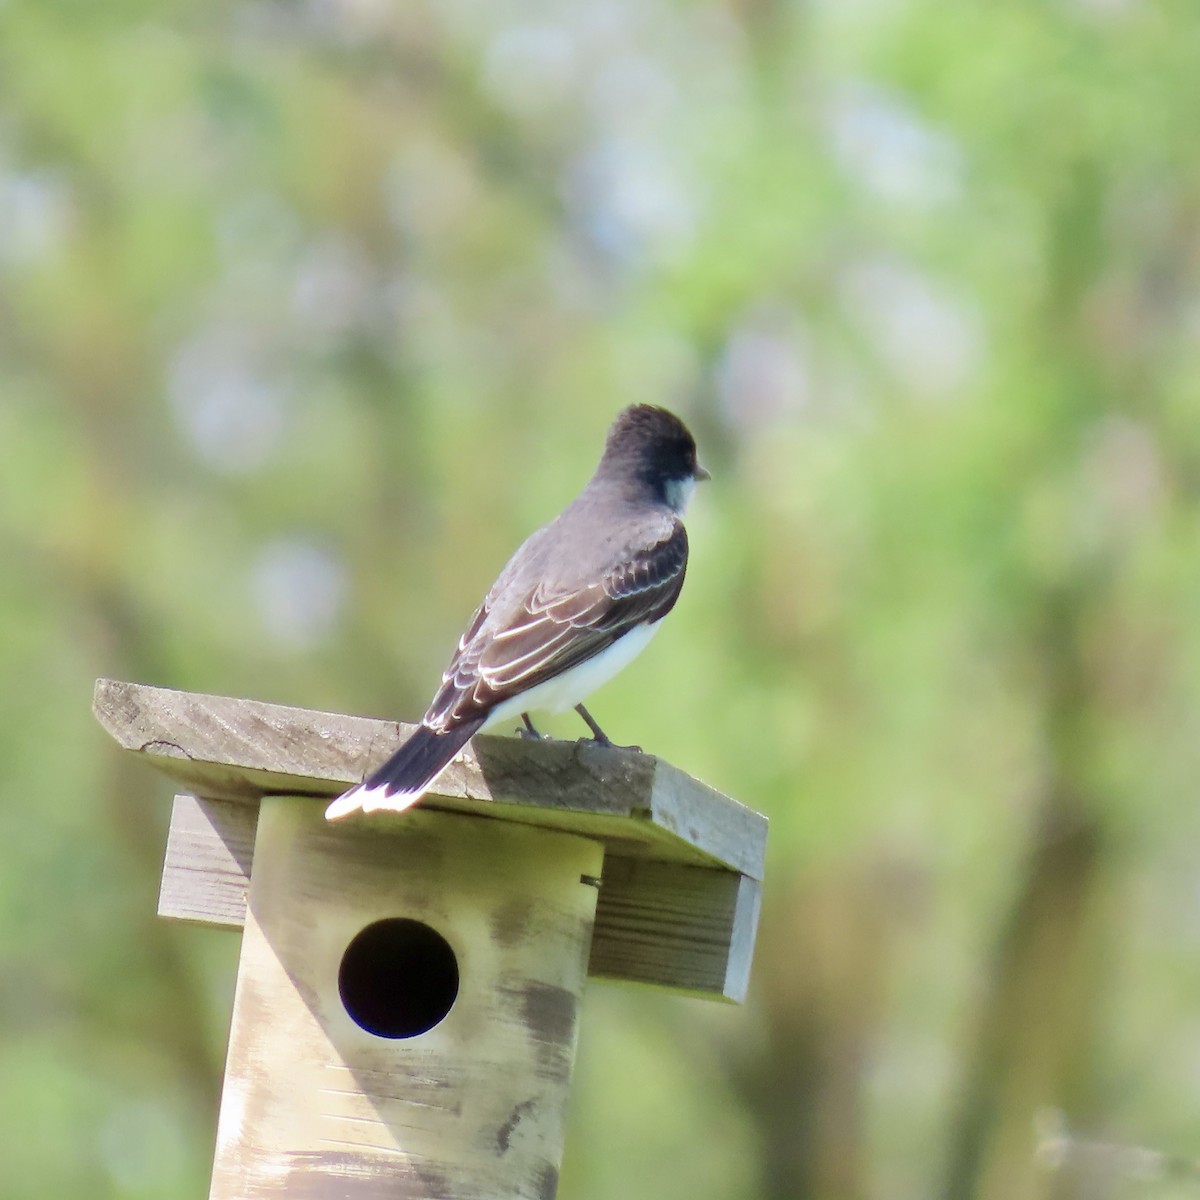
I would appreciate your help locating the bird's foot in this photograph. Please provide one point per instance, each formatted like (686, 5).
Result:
(528, 733)
(608, 744)
(599, 737)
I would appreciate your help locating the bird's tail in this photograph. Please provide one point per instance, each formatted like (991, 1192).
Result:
(407, 775)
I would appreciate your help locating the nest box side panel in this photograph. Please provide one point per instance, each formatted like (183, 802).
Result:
(356, 935)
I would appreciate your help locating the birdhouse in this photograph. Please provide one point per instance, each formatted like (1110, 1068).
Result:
(408, 990)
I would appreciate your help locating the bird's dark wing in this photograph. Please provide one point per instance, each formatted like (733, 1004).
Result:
(556, 627)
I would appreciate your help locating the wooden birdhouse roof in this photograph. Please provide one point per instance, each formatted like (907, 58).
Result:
(679, 899)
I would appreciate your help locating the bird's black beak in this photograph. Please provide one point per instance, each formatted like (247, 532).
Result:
(701, 474)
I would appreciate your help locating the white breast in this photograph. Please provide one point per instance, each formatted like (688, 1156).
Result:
(572, 686)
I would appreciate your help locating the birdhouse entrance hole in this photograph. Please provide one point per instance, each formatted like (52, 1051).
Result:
(398, 978)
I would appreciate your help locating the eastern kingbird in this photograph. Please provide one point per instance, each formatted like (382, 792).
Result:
(574, 605)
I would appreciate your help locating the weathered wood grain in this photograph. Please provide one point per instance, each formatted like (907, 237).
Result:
(690, 929)
(206, 869)
(639, 806)
(316, 1106)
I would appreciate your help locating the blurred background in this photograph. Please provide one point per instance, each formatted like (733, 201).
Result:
(310, 310)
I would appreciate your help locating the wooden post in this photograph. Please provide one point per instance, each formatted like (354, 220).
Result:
(405, 1014)
(314, 1104)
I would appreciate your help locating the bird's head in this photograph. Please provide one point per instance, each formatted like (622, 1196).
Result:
(654, 448)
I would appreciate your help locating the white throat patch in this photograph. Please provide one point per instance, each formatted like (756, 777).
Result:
(679, 492)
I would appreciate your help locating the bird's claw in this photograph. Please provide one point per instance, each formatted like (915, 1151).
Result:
(527, 730)
(608, 744)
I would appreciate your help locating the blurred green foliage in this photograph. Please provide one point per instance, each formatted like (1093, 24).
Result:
(310, 310)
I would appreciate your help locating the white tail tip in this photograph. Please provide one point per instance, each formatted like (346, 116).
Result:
(370, 799)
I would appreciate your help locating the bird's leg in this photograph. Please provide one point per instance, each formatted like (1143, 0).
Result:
(529, 731)
(598, 734)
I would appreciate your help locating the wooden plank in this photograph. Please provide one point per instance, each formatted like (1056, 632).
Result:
(690, 929)
(206, 871)
(233, 749)
(729, 833)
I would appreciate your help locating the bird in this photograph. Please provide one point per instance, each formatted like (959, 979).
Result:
(576, 603)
